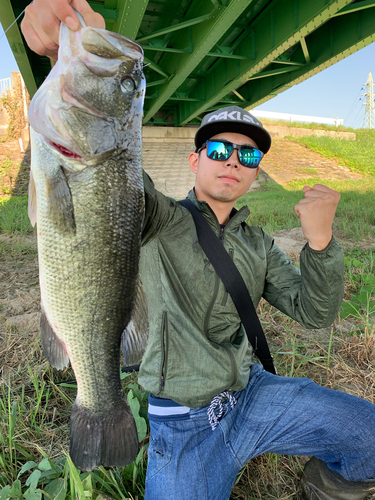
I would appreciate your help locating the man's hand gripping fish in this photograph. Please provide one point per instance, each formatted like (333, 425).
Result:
(86, 195)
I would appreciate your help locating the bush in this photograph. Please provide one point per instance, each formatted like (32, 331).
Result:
(13, 103)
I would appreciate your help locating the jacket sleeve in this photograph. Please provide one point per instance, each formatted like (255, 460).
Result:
(161, 212)
(312, 295)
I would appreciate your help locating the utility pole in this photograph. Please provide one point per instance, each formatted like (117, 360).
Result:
(369, 118)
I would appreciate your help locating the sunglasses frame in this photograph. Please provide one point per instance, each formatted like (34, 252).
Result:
(234, 146)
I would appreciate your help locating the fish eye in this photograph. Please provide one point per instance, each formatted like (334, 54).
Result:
(128, 85)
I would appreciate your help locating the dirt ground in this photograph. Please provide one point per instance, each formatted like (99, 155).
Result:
(287, 161)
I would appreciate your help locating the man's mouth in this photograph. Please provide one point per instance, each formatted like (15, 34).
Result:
(229, 178)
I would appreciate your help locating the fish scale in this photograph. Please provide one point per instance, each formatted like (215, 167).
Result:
(86, 196)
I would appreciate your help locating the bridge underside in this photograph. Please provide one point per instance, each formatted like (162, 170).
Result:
(205, 54)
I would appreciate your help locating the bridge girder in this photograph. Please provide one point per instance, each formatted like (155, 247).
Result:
(282, 30)
(203, 54)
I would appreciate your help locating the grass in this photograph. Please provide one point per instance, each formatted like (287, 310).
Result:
(309, 171)
(358, 155)
(311, 125)
(13, 216)
(14, 176)
(272, 207)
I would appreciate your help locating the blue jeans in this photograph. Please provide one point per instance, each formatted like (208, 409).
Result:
(292, 416)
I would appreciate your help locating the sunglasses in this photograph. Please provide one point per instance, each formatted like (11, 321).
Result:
(222, 150)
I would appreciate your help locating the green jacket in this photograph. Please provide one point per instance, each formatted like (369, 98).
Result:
(197, 345)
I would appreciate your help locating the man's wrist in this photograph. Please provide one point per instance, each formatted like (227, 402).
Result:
(319, 243)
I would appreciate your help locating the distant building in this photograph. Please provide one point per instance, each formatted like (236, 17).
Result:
(297, 118)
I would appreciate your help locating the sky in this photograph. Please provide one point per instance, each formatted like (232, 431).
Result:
(332, 93)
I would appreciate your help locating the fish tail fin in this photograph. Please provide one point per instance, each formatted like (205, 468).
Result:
(110, 441)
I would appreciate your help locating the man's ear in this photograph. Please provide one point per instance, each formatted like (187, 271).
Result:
(193, 162)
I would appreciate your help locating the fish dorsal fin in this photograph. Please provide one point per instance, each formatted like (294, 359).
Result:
(135, 335)
(32, 204)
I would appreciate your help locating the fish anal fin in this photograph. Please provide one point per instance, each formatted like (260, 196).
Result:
(32, 203)
(135, 336)
(60, 202)
(53, 348)
(111, 440)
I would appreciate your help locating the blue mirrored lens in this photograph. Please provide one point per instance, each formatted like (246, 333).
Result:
(219, 150)
(249, 157)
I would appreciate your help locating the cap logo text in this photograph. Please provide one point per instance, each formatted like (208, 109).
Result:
(233, 115)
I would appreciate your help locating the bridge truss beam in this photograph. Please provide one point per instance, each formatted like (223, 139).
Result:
(288, 29)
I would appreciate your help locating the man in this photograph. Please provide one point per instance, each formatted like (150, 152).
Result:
(212, 406)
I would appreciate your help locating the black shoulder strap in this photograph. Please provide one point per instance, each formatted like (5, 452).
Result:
(235, 285)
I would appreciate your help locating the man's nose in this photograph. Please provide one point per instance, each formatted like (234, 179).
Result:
(233, 160)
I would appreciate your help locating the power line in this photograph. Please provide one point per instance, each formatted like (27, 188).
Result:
(356, 100)
(8, 28)
(356, 118)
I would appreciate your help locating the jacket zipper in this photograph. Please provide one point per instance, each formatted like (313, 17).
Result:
(164, 347)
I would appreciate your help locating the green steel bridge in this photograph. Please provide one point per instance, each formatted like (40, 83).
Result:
(206, 54)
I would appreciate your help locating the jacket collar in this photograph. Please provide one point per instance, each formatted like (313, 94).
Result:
(236, 218)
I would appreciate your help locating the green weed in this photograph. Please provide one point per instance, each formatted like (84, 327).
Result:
(361, 304)
(6, 171)
(25, 419)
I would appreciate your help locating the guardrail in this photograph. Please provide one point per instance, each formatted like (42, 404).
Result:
(4, 84)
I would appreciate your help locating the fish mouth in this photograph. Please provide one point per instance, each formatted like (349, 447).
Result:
(65, 151)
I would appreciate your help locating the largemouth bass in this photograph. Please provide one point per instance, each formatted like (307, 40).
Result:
(86, 195)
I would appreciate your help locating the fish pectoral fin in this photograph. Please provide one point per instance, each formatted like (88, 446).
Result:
(53, 348)
(32, 203)
(60, 202)
(135, 336)
(110, 440)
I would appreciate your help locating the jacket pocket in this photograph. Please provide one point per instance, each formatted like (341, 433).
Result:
(233, 366)
(164, 355)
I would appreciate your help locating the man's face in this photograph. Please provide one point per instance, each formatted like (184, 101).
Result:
(222, 181)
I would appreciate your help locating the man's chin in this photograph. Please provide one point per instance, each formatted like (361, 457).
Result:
(228, 195)
(225, 196)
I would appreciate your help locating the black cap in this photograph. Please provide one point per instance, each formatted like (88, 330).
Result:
(233, 119)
